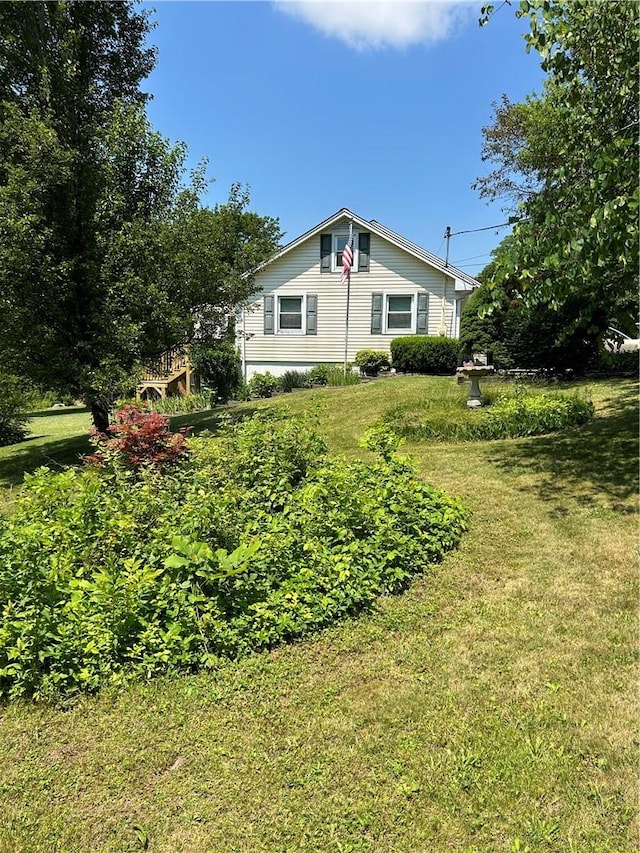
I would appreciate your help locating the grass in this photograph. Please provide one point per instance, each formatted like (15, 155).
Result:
(56, 438)
(491, 707)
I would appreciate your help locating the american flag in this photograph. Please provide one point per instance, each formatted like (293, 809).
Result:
(347, 257)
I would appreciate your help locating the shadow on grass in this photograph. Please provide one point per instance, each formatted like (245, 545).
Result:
(26, 457)
(53, 413)
(212, 419)
(599, 459)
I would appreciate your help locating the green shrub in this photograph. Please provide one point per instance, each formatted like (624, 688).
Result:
(38, 400)
(219, 368)
(371, 361)
(13, 407)
(424, 354)
(616, 363)
(263, 385)
(319, 374)
(179, 405)
(291, 379)
(257, 537)
(337, 377)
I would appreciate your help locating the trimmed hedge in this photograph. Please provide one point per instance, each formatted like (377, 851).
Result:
(424, 354)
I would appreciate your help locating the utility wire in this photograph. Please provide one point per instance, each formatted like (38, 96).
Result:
(472, 258)
(488, 228)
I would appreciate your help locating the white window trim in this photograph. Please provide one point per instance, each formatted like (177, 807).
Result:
(303, 308)
(414, 314)
(334, 250)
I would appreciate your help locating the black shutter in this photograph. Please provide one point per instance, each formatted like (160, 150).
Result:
(312, 314)
(363, 251)
(422, 313)
(376, 313)
(268, 315)
(325, 253)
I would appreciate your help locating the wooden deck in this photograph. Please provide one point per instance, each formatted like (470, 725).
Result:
(171, 376)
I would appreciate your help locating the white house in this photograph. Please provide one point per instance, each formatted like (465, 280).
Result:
(297, 318)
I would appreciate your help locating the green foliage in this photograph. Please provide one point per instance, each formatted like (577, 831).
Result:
(577, 235)
(508, 416)
(291, 379)
(263, 385)
(616, 363)
(107, 574)
(535, 337)
(481, 327)
(181, 405)
(336, 376)
(319, 374)
(13, 406)
(106, 258)
(371, 362)
(424, 354)
(220, 369)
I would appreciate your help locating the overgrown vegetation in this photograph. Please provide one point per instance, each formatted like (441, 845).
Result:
(424, 354)
(142, 565)
(511, 414)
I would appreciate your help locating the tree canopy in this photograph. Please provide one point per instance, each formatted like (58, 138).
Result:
(568, 160)
(107, 256)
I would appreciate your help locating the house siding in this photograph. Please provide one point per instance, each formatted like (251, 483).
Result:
(392, 271)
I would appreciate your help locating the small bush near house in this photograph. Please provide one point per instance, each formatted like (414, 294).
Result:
(13, 406)
(424, 354)
(336, 377)
(319, 374)
(263, 385)
(219, 368)
(371, 361)
(291, 379)
(257, 536)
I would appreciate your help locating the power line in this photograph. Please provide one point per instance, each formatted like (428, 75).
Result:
(472, 258)
(488, 228)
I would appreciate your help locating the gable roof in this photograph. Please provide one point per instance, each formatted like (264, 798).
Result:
(463, 280)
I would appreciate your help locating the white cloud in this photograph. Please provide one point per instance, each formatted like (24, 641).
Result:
(380, 23)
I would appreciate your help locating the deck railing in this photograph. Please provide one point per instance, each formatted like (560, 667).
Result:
(171, 361)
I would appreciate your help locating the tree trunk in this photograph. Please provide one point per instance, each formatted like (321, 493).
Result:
(100, 413)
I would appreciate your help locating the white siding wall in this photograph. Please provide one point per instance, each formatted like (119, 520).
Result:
(392, 271)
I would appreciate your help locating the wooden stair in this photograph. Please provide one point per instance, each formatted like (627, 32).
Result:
(171, 375)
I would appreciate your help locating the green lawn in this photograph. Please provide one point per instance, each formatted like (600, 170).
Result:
(491, 707)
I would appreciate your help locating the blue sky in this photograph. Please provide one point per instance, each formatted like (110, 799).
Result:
(377, 107)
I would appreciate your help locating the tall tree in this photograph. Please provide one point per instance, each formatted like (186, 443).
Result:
(105, 258)
(577, 156)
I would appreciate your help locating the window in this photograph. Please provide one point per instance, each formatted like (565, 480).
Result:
(399, 315)
(339, 242)
(290, 315)
(332, 246)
